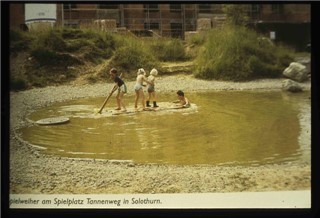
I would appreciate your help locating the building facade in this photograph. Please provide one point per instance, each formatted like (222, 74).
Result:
(173, 20)
(167, 20)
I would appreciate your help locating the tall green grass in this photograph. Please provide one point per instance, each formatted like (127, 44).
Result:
(231, 53)
(237, 53)
(19, 40)
(131, 54)
(169, 50)
(91, 46)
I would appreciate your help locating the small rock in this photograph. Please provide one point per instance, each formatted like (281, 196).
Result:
(131, 165)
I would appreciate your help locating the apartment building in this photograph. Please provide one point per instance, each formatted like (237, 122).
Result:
(166, 20)
(290, 23)
(173, 20)
(280, 13)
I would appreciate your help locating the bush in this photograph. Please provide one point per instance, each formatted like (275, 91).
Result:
(51, 39)
(19, 40)
(71, 33)
(97, 55)
(197, 40)
(47, 57)
(169, 50)
(132, 55)
(94, 46)
(236, 53)
(90, 45)
(15, 35)
(264, 69)
(18, 84)
(77, 44)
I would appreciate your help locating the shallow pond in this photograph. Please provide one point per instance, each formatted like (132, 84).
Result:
(227, 127)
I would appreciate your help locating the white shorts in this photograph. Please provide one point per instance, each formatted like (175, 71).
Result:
(137, 87)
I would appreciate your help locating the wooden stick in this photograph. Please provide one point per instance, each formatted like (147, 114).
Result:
(105, 101)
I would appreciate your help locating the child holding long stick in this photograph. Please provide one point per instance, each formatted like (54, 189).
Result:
(122, 89)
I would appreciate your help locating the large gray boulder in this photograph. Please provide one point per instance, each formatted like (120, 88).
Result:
(296, 71)
(306, 62)
(291, 86)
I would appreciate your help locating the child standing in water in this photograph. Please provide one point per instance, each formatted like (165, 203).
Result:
(150, 88)
(122, 89)
(138, 88)
(184, 102)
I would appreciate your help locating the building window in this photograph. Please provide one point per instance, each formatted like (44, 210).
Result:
(216, 8)
(176, 30)
(151, 26)
(277, 8)
(255, 8)
(151, 7)
(175, 7)
(108, 6)
(69, 6)
(204, 8)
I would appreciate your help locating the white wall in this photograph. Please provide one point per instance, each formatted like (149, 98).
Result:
(40, 13)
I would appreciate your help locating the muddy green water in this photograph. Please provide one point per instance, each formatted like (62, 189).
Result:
(229, 127)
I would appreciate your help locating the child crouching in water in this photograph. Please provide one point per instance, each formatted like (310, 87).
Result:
(150, 88)
(184, 102)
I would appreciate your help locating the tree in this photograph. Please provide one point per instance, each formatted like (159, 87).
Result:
(237, 14)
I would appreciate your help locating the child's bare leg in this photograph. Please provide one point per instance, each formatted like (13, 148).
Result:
(142, 99)
(154, 99)
(148, 99)
(118, 101)
(149, 96)
(136, 100)
(121, 101)
(153, 94)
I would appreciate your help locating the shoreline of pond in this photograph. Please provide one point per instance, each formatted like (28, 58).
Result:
(33, 172)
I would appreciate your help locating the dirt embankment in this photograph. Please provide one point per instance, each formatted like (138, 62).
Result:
(34, 172)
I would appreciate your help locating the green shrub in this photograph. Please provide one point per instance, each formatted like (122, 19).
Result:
(47, 57)
(169, 50)
(100, 39)
(39, 81)
(264, 69)
(197, 40)
(97, 55)
(15, 35)
(19, 40)
(18, 84)
(90, 45)
(93, 46)
(237, 53)
(133, 56)
(285, 56)
(71, 33)
(78, 44)
(51, 39)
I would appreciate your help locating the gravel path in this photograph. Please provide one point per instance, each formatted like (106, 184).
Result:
(34, 172)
